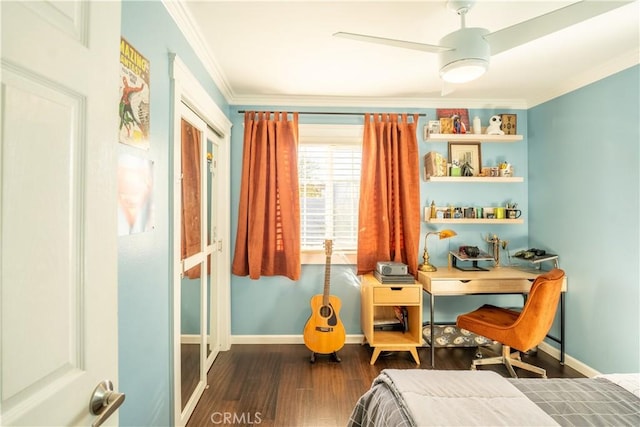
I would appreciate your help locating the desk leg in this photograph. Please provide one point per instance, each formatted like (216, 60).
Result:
(433, 344)
(562, 328)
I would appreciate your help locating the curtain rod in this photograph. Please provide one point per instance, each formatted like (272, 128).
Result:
(339, 113)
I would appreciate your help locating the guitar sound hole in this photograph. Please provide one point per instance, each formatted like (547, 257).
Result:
(325, 311)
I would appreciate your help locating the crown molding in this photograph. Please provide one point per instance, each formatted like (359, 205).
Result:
(372, 102)
(185, 22)
(588, 76)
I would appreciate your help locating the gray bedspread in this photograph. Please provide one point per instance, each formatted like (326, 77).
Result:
(416, 397)
(582, 401)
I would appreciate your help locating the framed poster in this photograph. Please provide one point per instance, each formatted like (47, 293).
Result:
(461, 153)
(134, 97)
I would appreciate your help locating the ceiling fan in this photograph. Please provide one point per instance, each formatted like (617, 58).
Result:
(464, 54)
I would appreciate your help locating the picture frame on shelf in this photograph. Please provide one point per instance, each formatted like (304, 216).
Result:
(466, 152)
(446, 125)
(509, 124)
(461, 113)
(434, 126)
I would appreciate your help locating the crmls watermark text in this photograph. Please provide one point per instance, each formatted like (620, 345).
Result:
(236, 418)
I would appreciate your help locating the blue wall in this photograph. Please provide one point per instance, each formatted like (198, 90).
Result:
(580, 200)
(144, 276)
(583, 196)
(279, 306)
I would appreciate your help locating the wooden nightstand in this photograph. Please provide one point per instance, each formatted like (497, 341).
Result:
(377, 302)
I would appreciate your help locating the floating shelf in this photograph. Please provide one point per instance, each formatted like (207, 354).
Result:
(493, 179)
(473, 221)
(440, 137)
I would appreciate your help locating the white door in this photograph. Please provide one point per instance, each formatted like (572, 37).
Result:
(214, 206)
(58, 247)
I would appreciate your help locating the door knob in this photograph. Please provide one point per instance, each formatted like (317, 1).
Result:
(104, 402)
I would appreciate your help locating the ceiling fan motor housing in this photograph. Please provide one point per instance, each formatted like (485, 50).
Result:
(469, 49)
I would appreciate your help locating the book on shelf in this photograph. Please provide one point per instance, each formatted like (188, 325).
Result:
(400, 278)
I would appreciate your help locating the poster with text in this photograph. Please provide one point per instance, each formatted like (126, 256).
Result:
(134, 97)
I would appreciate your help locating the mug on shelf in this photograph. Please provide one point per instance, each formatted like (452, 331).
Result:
(500, 212)
(488, 213)
(513, 213)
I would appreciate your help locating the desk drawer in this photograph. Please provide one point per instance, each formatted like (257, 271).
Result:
(397, 295)
(461, 287)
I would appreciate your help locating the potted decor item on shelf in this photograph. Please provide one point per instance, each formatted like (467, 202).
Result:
(455, 168)
(505, 169)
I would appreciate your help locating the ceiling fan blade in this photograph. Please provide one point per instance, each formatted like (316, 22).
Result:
(447, 88)
(529, 30)
(392, 42)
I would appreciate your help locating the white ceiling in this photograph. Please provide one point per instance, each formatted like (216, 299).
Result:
(284, 52)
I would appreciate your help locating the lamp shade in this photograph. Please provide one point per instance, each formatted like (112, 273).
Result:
(445, 234)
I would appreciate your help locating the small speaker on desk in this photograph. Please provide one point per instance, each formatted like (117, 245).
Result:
(390, 268)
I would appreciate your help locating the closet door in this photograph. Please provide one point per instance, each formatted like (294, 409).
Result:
(192, 267)
(201, 296)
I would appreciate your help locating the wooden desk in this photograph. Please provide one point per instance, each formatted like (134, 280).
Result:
(504, 280)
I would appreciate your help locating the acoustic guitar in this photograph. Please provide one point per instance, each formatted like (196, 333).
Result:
(324, 332)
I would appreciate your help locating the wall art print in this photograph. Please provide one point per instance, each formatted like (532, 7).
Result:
(135, 195)
(134, 97)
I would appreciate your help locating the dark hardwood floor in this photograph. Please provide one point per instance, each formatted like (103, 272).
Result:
(276, 385)
(190, 366)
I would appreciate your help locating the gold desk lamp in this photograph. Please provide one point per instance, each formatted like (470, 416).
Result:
(444, 234)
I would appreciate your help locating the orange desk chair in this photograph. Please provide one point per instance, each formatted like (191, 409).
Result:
(520, 330)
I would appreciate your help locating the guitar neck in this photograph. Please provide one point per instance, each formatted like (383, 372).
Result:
(327, 277)
(327, 273)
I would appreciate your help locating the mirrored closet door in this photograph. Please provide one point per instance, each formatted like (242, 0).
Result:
(196, 232)
(200, 251)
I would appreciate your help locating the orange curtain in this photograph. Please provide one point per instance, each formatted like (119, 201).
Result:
(191, 195)
(389, 215)
(268, 238)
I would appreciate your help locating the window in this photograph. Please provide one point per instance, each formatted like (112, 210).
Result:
(329, 181)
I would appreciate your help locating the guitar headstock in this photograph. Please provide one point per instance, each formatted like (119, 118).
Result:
(328, 244)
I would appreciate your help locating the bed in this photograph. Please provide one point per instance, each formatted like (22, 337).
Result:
(418, 397)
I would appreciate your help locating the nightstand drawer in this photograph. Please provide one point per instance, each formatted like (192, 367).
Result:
(396, 295)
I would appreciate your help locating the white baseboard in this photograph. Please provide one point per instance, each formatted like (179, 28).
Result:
(190, 339)
(568, 360)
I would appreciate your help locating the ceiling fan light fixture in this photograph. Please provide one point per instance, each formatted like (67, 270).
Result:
(468, 57)
(463, 70)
